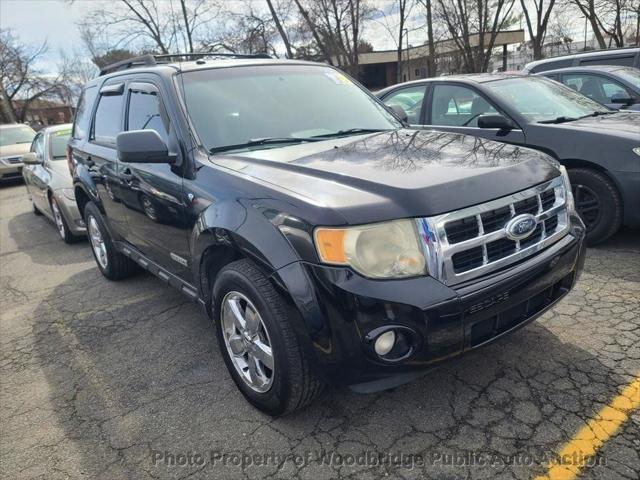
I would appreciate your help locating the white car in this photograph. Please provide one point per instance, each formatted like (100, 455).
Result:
(15, 140)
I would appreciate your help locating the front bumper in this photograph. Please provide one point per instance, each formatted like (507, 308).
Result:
(340, 309)
(13, 170)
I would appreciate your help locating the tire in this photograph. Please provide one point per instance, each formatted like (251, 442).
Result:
(598, 203)
(113, 264)
(292, 384)
(61, 223)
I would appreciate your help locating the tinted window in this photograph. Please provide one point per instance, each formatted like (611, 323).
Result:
(410, 100)
(454, 105)
(540, 99)
(108, 120)
(58, 144)
(552, 65)
(233, 105)
(146, 113)
(631, 75)
(38, 145)
(596, 87)
(17, 134)
(608, 60)
(83, 113)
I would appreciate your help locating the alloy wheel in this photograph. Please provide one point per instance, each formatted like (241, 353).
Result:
(97, 242)
(247, 341)
(587, 204)
(57, 216)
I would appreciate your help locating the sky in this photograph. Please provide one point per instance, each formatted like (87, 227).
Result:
(36, 21)
(55, 21)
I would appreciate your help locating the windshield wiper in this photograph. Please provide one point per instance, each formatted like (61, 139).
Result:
(561, 119)
(564, 119)
(263, 141)
(598, 113)
(350, 131)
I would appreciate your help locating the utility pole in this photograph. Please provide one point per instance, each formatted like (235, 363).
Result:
(406, 35)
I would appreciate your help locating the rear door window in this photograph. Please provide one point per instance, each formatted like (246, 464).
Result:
(108, 119)
(410, 100)
(82, 120)
(626, 61)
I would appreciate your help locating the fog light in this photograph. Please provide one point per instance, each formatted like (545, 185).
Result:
(385, 342)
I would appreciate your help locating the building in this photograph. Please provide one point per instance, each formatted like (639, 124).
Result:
(380, 69)
(43, 112)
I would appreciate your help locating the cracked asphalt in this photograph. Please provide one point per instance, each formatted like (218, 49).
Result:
(110, 380)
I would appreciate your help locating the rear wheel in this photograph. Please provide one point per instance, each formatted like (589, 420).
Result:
(598, 203)
(113, 264)
(257, 341)
(61, 223)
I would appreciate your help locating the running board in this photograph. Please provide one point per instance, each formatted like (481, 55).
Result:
(164, 275)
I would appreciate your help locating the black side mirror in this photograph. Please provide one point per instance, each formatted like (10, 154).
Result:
(143, 146)
(622, 99)
(494, 121)
(399, 113)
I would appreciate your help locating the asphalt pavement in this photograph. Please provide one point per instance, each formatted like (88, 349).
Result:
(125, 381)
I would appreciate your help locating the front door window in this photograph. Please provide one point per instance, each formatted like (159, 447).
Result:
(458, 106)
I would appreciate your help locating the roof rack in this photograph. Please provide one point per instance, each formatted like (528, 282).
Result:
(148, 60)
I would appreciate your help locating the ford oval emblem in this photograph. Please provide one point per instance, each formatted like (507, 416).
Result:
(521, 227)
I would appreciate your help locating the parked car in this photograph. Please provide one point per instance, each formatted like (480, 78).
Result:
(14, 141)
(622, 57)
(599, 147)
(49, 182)
(328, 243)
(615, 87)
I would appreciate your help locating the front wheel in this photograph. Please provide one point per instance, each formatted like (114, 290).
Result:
(61, 223)
(258, 343)
(113, 264)
(597, 202)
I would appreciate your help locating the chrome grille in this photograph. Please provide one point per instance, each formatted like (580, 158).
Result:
(471, 242)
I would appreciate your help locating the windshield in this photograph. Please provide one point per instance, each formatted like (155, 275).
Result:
(541, 99)
(17, 134)
(282, 103)
(631, 75)
(58, 144)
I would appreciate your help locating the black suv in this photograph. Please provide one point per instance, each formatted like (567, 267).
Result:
(327, 242)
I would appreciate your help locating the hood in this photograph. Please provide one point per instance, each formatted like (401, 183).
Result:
(397, 174)
(623, 124)
(15, 150)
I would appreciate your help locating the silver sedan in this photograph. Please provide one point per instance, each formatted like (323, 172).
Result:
(49, 182)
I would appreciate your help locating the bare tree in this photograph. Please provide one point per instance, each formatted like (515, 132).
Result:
(605, 19)
(21, 82)
(280, 28)
(474, 26)
(147, 25)
(394, 21)
(336, 27)
(432, 65)
(537, 19)
(249, 30)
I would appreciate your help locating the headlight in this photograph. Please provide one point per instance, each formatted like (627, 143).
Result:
(380, 250)
(637, 151)
(567, 187)
(69, 194)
